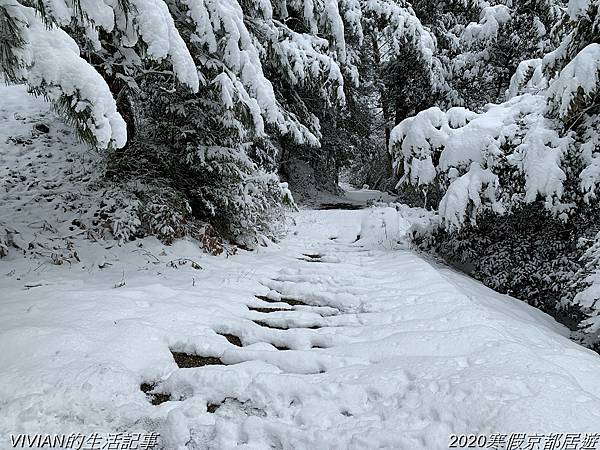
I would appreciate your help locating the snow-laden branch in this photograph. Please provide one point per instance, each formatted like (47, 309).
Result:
(49, 62)
(471, 149)
(577, 83)
(491, 20)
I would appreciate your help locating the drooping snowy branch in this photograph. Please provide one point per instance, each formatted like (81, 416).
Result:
(472, 149)
(577, 83)
(156, 27)
(49, 62)
(492, 18)
(528, 78)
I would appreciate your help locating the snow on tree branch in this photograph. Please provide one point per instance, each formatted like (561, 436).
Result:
(156, 28)
(492, 18)
(577, 83)
(528, 78)
(471, 149)
(49, 62)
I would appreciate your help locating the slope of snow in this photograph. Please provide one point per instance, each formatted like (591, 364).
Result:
(387, 350)
(44, 178)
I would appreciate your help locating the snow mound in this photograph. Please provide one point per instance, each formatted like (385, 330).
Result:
(380, 227)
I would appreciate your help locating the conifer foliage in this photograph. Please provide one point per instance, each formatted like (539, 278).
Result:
(204, 88)
(530, 162)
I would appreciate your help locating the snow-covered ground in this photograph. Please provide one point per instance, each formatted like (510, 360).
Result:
(369, 345)
(389, 351)
(365, 194)
(44, 174)
(349, 198)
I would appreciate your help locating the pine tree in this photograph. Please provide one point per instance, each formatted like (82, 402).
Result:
(526, 168)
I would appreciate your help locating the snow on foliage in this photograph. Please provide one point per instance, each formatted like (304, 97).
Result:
(520, 136)
(492, 18)
(49, 59)
(590, 175)
(402, 26)
(528, 78)
(147, 20)
(469, 189)
(237, 51)
(579, 78)
(470, 147)
(481, 56)
(50, 62)
(588, 297)
(155, 26)
(244, 41)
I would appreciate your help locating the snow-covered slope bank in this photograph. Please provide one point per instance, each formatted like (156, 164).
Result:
(45, 172)
(387, 352)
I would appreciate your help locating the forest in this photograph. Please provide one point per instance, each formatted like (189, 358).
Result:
(468, 130)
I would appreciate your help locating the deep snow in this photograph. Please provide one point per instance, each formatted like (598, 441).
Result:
(390, 350)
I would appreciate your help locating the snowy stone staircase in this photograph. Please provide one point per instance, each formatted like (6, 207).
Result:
(279, 313)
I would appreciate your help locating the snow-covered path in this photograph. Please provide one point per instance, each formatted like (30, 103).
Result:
(366, 346)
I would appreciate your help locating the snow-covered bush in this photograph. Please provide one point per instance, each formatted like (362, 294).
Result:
(119, 213)
(380, 227)
(520, 171)
(528, 254)
(510, 154)
(195, 161)
(134, 210)
(587, 299)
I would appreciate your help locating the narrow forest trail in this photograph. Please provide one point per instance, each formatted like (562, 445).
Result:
(339, 337)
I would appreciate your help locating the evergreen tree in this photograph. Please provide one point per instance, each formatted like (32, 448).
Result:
(491, 49)
(530, 162)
